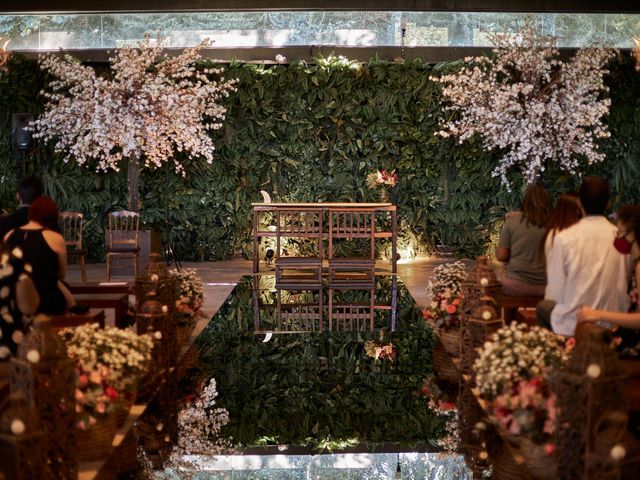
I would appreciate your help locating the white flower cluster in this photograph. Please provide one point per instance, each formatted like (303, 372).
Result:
(517, 352)
(190, 287)
(447, 276)
(123, 352)
(199, 425)
(150, 107)
(528, 103)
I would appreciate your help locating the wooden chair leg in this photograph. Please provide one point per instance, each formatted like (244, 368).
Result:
(135, 265)
(108, 267)
(83, 268)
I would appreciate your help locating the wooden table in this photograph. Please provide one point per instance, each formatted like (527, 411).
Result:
(58, 322)
(117, 301)
(259, 208)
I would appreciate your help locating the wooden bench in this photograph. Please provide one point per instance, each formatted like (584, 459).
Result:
(119, 302)
(59, 322)
(527, 316)
(509, 304)
(632, 368)
(99, 287)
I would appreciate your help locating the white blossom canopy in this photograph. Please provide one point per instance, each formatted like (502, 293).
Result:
(150, 107)
(526, 102)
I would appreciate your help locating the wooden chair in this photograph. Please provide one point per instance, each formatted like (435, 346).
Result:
(72, 224)
(349, 316)
(352, 225)
(293, 272)
(124, 238)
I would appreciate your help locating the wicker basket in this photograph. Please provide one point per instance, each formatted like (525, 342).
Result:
(95, 443)
(528, 460)
(451, 341)
(443, 365)
(122, 412)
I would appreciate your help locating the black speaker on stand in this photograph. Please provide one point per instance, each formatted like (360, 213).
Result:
(22, 135)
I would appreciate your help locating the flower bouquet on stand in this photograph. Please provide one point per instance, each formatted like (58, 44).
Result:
(382, 181)
(122, 353)
(190, 293)
(512, 377)
(443, 312)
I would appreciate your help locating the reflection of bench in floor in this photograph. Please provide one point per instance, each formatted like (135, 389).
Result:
(509, 304)
(99, 287)
(59, 322)
(119, 302)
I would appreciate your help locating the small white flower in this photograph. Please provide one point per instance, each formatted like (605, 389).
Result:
(33, 356)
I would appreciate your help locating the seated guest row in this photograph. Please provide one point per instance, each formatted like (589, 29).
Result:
(34, 259)
(586, 268)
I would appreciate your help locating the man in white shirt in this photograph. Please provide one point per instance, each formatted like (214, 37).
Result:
(583, 267)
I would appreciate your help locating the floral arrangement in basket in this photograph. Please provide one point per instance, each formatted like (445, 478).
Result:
(95, 395)
(445, 291)
(511, 374)
(380, 351)
(110, 361)
(441, 403)
(190, 289)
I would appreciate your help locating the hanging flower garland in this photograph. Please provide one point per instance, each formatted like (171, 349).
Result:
(526, 102)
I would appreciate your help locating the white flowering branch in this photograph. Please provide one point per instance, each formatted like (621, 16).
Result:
(526, 102)
(150, 108)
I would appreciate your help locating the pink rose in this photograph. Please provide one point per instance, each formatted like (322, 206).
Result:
(83, 380)
(451, 309)
(79, 396)
(95, 377)
(101, 407)
(549, 448)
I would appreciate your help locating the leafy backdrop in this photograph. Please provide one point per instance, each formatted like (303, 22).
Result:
(311, 133)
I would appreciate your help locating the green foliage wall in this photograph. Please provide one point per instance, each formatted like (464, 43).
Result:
(312, 133)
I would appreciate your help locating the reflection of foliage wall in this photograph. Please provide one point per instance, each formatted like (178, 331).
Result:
(316, 389)
(311, 133)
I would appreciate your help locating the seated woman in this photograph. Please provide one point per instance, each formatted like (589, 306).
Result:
(519, 245)
(567, 212)
(627, 324)
(45, 251)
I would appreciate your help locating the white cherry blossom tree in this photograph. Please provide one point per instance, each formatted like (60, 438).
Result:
(147, 109)
(529, 104)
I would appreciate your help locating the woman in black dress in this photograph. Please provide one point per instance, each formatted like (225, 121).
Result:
(45, 251)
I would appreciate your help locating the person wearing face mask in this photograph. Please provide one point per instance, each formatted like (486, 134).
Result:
(583, 266)
(628, 219)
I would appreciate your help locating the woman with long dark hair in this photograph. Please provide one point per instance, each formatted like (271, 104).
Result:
(46, 252)
(566, 213)
(519, 245)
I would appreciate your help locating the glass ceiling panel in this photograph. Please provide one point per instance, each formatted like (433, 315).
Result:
(280, 29)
